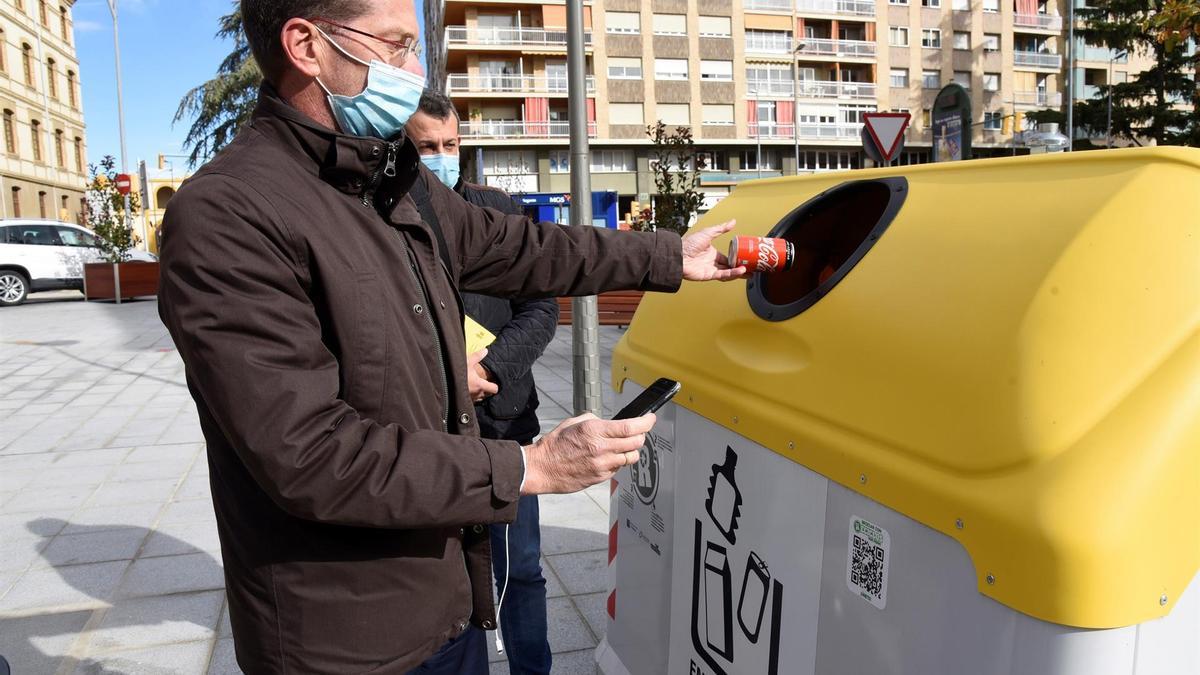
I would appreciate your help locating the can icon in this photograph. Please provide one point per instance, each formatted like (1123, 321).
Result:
(762, 254)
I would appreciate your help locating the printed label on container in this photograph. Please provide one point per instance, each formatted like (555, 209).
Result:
(867, 561)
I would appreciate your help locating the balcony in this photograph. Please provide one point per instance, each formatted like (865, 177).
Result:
(1037, 60)
(850, 49)
(502, 129)
(768, 6)
(1048, 99)
(775, 45)
(510, 84)
(1087, 92)
(836, 7)
(812, 89)
(807, 131)
(1050, 22)
(458, 36)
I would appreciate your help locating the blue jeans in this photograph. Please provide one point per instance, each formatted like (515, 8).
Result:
(523, 615)
(464, 655)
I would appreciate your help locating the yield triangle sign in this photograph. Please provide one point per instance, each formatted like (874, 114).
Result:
(887, 130)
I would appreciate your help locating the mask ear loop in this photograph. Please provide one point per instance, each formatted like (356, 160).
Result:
(341, 49)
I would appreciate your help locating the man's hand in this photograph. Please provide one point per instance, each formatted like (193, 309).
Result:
(477, 378)
(702, 262)
(583, 451)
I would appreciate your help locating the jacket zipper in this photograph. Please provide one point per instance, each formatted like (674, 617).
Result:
(389, 170)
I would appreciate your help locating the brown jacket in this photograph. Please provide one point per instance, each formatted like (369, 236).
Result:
(324, 347)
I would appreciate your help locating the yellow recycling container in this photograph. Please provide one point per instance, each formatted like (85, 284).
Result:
(960, 435)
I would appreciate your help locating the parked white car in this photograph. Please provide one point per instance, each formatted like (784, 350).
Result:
(46, 255)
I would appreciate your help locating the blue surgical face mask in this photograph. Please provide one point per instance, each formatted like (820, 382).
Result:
(381, 109)
(445, 167)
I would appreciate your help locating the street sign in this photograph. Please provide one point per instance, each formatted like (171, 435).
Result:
(124, 183)
(886, 130)
(143, 184)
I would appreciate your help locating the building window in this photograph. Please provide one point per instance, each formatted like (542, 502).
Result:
(926, 118)
(992, 6)
(44, 17)
(623, 22)
(560, 161)
(21, 5)
(626, 113)
(750, 160)
(931, 3)
(715, 26)
(64, 25)
(991, 42)
(63, 212)
(962, 78)
(962, 40)
(35, 132)
(675, 114)
(508, 162)
(961, 5)
(60, 149)
(719, 114)
(613, 161)
(710, 160)
(897, 2)
(931, 79)
(27, 62)
(670, 24)
(993, 121)
(79, 154)
(10, 132)
(770, 41)
(71, 89)
(899, 77)
(43, 210)
(16, 202)
(51, 79)
(716, 70)
(898, 36)
(624, 68)
(820, 160)
(991, 81)
(671, 69)
(931, 38)
(3, 49)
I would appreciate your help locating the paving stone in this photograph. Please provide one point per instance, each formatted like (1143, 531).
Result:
(189, 511)
(160, 453)
(170, 469)
(224, 661)
(183, 538)
(594, 608)
(576, 663)
(96, 547)
(134, 492)
(568, 632)
(184, 659)
(557, 540)
(142, 622)
(100, 518)
(174, 574)
(40, 499)
(37, 644)
(582, 572)
(59, 586)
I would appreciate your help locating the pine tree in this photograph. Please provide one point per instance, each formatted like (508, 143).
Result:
(221, 106)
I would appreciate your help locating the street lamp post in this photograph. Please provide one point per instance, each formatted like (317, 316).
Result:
(1111, 58)
(1071, 74)
(796, 101)
(112, 7)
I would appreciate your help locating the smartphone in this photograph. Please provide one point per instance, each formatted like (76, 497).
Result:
(651, 400)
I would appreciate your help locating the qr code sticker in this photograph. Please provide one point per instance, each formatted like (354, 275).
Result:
(867, 561)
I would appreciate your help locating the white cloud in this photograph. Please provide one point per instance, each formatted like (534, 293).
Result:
(88, 26)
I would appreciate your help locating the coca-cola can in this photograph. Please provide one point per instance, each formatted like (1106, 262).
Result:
(762, 254)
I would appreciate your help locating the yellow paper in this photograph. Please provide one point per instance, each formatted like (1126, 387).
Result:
(478, 337)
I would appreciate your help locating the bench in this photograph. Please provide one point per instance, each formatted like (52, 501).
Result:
(614, 309)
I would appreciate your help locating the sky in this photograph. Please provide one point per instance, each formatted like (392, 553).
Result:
(167, 47)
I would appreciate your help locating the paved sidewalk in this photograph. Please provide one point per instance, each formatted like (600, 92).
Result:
(109, 559)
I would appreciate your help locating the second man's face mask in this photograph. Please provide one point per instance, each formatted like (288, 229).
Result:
(381, 109)
(445, 167)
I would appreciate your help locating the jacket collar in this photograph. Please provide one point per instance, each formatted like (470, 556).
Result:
(352, 164)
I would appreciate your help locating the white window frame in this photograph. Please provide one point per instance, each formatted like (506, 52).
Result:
(673, 106)
(614, 107)
(957, 80)
(661, 73)
(705, 119)
(727, 26)
(560, 161)
(961, 5)
(993, 77)
(991, 118)
(991, 6)
(937, 79)
(961, 34)
(901, 75)
(894, 31)
(627, 70)
(897, 2)
(714, 70)
(659, 30)
(990, 39)
(931, 38)
(932, 4)
(622, 30)
(613, 160)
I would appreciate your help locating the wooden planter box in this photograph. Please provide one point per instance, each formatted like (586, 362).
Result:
(119, 281)
(615, 308)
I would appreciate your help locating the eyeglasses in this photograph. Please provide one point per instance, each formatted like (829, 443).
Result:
(398, 50)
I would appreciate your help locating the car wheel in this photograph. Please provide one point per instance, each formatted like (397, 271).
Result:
(13, 288)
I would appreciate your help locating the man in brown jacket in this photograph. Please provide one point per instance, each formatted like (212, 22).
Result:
(319, 319)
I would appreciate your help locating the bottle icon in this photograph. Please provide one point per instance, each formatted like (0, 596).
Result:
(753, 601)
(718, 601)
(724, 503)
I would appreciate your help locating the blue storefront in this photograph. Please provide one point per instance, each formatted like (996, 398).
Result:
(555, 207)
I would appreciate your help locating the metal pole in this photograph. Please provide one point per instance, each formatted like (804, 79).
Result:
(1108, 124)
(758, 127)
(796, 104)
(585, 324)
(1071, 75)
(112, 7)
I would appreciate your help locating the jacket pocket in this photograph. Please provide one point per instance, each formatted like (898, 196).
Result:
(368, 355)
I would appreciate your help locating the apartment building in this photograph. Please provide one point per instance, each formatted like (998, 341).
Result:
(43, 167)
(768, 87)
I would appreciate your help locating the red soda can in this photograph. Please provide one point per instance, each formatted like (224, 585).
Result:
(762, 254)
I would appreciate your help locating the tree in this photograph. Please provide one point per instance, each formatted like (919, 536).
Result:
(1178, 21)
(1150, 106)
(220, 107)
(677, 168)
(106, 212)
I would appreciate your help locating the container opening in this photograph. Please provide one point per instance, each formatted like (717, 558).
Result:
(831, 233)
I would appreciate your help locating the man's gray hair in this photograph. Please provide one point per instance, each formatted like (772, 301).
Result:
(437, 106)
(263, 22)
